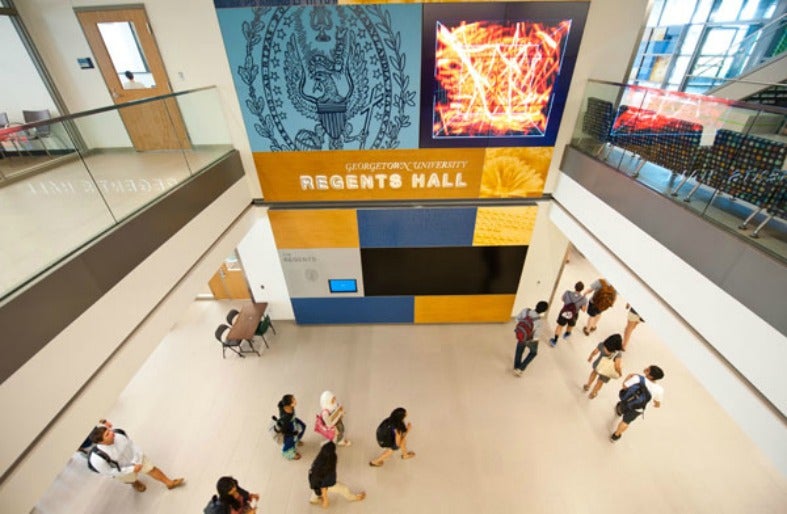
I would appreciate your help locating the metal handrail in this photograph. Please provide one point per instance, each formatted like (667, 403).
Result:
(21, 127)
(751, 38)
(697, 96)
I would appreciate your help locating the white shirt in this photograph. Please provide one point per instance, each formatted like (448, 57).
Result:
(123, 451)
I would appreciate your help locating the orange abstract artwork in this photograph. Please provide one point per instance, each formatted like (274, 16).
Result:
(496, 79)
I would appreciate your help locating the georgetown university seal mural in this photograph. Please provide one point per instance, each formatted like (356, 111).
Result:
(329, 77)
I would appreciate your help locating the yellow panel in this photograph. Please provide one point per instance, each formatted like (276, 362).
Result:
(329, 228)
(504, 226)
(515, 172)
(370, 175)
(463, 309)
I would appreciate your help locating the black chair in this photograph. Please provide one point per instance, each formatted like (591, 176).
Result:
(236, 345)
(232, 316)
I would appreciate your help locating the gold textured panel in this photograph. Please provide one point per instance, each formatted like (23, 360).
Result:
(463, 308)
(323, 228)
(337, 175)
(515, 172)
(504, 226)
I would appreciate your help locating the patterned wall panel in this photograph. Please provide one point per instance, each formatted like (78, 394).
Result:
(499, 226)
(378, 309)
(463, 309)
(319, 77)
(307, 272)
(391, 228)
(334, 228)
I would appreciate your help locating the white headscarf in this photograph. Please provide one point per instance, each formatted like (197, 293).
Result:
(328, 401)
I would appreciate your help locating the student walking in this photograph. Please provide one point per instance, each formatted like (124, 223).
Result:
(292, 428)
(632, 320)
(330, 420)
(231, 499)
(115, 455)
(322, 478)
(392, 435)
(573, 302)
(529, 329)
(636, 393)
(607, 364)
(604, 296)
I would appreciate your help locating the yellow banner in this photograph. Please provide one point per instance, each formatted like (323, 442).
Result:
(403, 174)
(372, 175)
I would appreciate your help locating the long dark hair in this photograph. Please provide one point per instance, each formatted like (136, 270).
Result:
(324, 465)
(223, 487)
(397, 419)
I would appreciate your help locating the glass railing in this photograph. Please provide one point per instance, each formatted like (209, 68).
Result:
(65, 180)
(724, 160)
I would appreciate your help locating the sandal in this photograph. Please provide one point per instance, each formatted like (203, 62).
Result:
(592, 395)
(176, 483)
(139, 486)
(297, 456)
(586, 388)
(408, 455)
(585, 331)
(372, 464)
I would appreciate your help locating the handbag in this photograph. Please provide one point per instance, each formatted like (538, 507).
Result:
(606, 367)
(324, 430)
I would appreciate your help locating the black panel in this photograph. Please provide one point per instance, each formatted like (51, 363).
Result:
(442, 271)
(35, 316)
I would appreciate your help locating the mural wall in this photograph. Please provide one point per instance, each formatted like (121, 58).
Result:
(400, 101)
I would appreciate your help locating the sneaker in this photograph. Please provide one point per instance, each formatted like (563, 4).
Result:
(566, 335)
(614, 437)
(553, 342)
(517, 372)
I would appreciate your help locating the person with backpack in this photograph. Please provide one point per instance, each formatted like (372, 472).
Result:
(607, 365)
(329, 422)
(115, 455)
(231, 499)
(529, 329)
(392, 435)
(573, 302)
(292, 428)
(322, 478)
(636, 393)
(604, 296)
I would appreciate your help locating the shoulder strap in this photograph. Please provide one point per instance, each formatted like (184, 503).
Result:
(101, 453)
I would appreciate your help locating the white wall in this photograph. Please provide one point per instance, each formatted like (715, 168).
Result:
(21, 87)
(188, 37)
(260, 259)
(36, 393)
(650, 276)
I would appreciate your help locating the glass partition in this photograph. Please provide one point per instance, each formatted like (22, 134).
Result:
(66, 180)
(722, 159)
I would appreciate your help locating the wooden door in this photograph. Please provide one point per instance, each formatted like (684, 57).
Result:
(122, 41)
(229, 284)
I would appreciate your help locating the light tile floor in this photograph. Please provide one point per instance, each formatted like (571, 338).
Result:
(486, 441)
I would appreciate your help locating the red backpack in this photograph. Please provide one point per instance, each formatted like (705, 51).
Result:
(524, 329)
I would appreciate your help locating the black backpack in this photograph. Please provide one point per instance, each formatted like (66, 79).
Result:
(385, 434)
(635, 397)
(101, 453)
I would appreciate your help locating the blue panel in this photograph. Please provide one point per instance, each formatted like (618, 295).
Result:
(324, 77)
(380, 309)
(410, 228)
